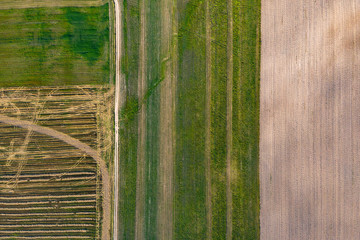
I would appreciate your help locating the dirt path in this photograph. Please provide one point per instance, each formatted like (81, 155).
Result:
(309, 120)
(229, 115)
(141, 147)
(165, 213)
(208, 123)
(82, 146)
(119, 102)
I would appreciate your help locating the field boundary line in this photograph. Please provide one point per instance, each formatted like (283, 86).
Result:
(165, 208)
(120, 93)
(229, 116)
(208, 121)
(140, 175)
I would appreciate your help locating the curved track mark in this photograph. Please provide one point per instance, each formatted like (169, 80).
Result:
(80, 145)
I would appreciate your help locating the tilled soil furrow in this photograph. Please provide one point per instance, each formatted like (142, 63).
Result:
(48, 185)
(36, 196)
(26, 221)
(35, 226)
(79, 168)
(63, 175)
(54, 179)
(50, 214)
(48, 204)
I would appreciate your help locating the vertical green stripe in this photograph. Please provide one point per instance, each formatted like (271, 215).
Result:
(246, 119)
(190, 217)
(218, 115)
(152, 113)
(128, 118)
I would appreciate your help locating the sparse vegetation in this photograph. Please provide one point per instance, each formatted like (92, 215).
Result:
(48, 187)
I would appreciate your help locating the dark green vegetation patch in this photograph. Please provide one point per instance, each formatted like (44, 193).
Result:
(54, 46)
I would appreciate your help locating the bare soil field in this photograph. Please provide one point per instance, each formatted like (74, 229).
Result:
(54, 180)
(309, 120)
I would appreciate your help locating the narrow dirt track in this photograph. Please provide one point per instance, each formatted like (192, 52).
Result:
(229, 125)
(165, 215)
(208, 122)
(140, 176)
(119, 102)
(309, 120)
(82, 146)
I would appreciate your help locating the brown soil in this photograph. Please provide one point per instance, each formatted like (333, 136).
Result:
(165, 213)
(85, 148)
(309, 120)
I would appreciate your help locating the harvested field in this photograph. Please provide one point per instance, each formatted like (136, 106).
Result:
(54, 180)
(309, 138)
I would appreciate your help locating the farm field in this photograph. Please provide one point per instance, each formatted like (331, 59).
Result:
(189, 119)
(190, 122)
(309, 144)
(54, 46)
(13, 4)
(51, 185)
(56, 119)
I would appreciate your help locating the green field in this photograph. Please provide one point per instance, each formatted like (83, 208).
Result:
(54, 46)
(56, 74)
(74, 46)
(190, 181)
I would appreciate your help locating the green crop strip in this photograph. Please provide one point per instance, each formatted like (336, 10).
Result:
(246, 222)
(190, 211)
(190, 214)
(128, 121)
(54, 46)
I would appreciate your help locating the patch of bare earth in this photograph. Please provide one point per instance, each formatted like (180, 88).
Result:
(309, 120)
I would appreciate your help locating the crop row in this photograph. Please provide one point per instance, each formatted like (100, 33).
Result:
(48, 188)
